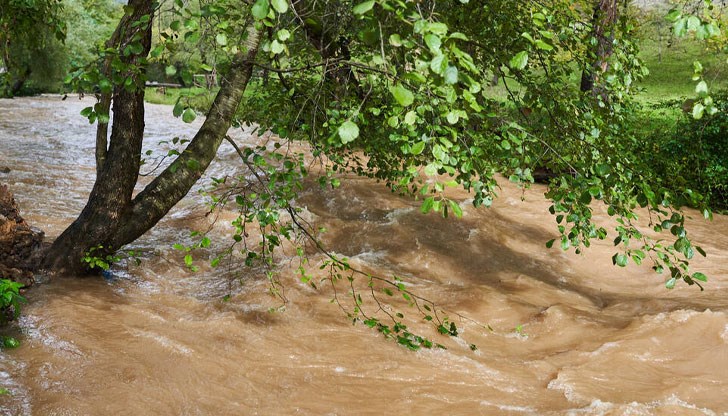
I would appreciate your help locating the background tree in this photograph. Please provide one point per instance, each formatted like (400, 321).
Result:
(29, 32)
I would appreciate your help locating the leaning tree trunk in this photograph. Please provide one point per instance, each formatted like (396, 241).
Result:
(111, 217)
(173, 183)
(605, 16)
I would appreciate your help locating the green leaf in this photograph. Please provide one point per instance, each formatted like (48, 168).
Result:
(178, 109)
(436, 28)
(260, 9)
(519, 61)
(221, 39)
(281, 6)
(427, 205)
(452, 117)
(698, 111)
(410, 118)
(700, 276)
(170, 70)
(693, 23)
(451, 75)
(403, 96)
(363, 7)
(433, 42)
(456, 209)
(417, 148)
(191, 24)
(670, 284)
(673, 15)
(189, 115)
(438, 64)
(702, 88)
(680, 28)
(543, 45)
(276, 47)
(10, 342)
(620, 260)
(283, 35)
(348, 132)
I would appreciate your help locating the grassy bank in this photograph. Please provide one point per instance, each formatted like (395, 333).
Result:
(196, 97)
(671, 69)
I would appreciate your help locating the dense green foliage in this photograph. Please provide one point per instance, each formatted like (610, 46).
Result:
(694, 153)
(29, 35)
(41, 40)
(89, 24)
(10, 300)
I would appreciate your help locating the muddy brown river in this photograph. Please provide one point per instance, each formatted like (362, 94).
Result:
(571, 334)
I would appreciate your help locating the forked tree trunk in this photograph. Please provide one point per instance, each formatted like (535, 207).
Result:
(605, 16)
(117, 177)
(111, 218)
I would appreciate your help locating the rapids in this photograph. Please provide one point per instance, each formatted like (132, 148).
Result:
(571, 334)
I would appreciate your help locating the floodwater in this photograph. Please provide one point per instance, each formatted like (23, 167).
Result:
(571, 334)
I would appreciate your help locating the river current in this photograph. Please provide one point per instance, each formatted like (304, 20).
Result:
(571, 334)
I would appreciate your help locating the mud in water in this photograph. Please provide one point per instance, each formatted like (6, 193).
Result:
(570, 334)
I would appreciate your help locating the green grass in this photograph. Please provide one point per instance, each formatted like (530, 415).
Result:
(671, 69)
(169, 96)
(670, 82)
(197, 98)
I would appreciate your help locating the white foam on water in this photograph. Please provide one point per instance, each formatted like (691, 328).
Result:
(393, 216)
(724, 334)
(509, 408)
(165, 342)
(604, 347)
(37, 333)
(598, 407)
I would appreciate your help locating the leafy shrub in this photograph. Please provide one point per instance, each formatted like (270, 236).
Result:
(10, 300)
(694, 153)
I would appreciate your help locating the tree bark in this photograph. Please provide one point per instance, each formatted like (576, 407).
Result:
(605, 16)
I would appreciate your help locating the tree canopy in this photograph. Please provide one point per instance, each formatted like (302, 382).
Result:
(402, 91)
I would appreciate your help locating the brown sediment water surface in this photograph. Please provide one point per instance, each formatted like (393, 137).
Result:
(571, 334)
